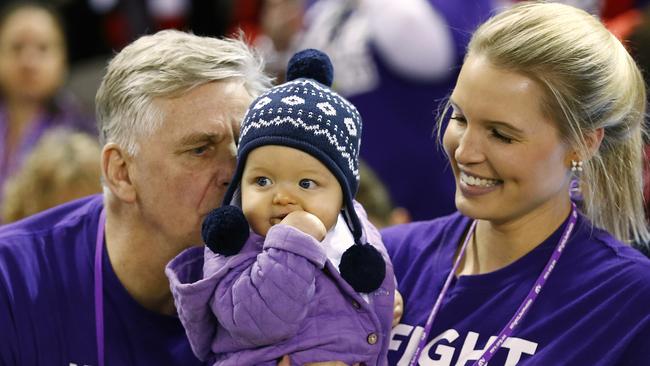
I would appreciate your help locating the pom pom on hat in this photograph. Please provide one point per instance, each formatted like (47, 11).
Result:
(363, 267)
(225, 230)
(311, 64)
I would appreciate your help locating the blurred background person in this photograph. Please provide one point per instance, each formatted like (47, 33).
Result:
(32, 72)
(376, 200)
(63, 166)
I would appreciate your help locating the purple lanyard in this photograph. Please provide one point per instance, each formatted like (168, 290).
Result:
(99, 289)
(521, 311)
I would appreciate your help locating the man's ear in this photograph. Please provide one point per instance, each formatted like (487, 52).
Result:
(115, 168)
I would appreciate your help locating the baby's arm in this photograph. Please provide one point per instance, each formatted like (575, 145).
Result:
(265, 300)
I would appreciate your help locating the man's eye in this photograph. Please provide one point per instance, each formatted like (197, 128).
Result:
(262, 181)
(307, 183)
(200, 150)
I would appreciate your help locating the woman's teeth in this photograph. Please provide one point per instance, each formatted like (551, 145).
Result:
(475, 181)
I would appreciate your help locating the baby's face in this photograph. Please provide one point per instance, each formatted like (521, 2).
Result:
(278, 180)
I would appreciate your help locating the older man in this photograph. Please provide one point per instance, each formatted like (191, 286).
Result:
(84, 283)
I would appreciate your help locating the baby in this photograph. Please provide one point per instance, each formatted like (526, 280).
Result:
(293, 266)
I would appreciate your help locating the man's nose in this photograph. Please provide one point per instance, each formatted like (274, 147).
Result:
(225, 165)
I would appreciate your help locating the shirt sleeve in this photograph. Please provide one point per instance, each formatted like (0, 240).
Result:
(265, 300)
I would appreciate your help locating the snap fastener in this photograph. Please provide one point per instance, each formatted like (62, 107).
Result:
(372, 338)
(356, 304)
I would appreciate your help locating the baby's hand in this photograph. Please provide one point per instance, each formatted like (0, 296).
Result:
(307, 223)
(398, 309)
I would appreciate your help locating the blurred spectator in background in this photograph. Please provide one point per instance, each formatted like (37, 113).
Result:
(97, 29)
(395, 61)
(32, 72)
(374, 197)
(63, 166)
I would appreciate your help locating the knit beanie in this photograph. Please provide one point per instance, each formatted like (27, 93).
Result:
(305, 114)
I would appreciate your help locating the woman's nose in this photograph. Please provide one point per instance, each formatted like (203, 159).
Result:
(470, 147)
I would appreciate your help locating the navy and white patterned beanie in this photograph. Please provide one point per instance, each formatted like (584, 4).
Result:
(305, 114)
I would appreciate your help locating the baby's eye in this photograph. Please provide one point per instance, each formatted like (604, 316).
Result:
(307, 183)
(262, 181)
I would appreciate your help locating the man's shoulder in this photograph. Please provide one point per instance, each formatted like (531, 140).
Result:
(46, 279)
(63, 234)
(66, 219)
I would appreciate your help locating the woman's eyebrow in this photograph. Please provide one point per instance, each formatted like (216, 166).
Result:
(503, 124)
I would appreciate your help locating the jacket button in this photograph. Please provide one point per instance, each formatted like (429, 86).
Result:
(356, 305)
(372, 338)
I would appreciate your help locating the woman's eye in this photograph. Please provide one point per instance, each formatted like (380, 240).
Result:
(501, 137)
(262, 181)
(307, 183)
(458, 118)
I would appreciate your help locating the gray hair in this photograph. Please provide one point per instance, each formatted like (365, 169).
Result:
(590, 82)
(166, 65)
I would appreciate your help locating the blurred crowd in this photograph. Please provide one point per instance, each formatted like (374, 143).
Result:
(395, 60)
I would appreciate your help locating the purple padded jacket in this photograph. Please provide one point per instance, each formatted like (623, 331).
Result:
(280, 295)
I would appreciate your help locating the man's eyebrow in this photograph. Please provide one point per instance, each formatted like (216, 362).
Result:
(199, 137)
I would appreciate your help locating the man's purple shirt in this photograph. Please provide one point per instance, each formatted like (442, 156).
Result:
(47, 312)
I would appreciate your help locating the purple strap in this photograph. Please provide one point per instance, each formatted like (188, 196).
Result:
(521, 311)
(436, 306)
(99, 289)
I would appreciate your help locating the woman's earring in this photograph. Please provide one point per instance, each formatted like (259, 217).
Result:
(576, 166)
(574, 189)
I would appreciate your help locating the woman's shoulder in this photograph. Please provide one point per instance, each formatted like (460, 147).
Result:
(611, 260)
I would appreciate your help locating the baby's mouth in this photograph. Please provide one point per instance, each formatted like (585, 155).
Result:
(278, 218)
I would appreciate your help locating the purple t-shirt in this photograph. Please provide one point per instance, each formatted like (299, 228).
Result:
(593, 310)
(47, 312)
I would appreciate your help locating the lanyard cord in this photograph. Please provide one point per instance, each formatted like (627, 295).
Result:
(99, 289)
(521, 311)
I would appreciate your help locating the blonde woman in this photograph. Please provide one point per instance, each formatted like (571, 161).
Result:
(527, 273)
(63, 166)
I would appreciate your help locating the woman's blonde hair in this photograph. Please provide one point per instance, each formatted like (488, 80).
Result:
(63, 166)
(590, 82)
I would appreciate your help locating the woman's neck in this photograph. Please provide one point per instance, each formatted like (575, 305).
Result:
(495, 245)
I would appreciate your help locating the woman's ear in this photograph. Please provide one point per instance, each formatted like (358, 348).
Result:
(593, 140)
(115, 168)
